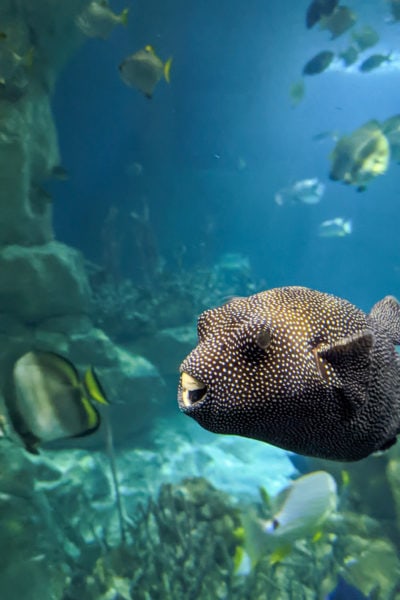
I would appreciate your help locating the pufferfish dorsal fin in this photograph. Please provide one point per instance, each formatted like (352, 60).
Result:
(349, 359)
(387, 313)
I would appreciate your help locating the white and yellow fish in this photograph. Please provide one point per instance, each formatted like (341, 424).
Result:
(144, 69)
(49, 401)
(337, 227)
(308, 503)
(98, 20)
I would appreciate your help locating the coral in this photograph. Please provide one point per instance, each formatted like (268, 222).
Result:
(182, 547)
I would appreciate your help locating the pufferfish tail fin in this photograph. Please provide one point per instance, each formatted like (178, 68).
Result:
(387, 313)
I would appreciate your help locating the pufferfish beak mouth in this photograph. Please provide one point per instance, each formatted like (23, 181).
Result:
(192, 391)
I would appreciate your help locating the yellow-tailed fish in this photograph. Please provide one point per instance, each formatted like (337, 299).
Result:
(310, 500)
(98, 20)
(144, 69)
(306, 506)
(361, 156)
(49, 401)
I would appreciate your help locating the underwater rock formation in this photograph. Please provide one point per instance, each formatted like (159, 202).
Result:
(30, 532)
(45, 296)
(34, 280)
(147, 323)
(46, 304)
(28, 153)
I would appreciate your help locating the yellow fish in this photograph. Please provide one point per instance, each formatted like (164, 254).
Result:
(361, 156)
(144, 69)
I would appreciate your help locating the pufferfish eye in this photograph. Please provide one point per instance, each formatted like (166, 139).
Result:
(263, 339)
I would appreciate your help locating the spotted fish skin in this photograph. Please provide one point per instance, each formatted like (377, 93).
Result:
(300, 369)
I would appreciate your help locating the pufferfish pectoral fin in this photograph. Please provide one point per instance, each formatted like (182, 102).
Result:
(350, 361)
(387, 313)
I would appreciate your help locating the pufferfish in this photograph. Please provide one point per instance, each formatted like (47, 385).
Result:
(300, 369)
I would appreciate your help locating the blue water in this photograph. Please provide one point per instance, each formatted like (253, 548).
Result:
(213, 148)
(228, 99)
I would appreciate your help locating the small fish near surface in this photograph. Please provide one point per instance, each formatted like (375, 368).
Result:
(300, 369)
(48, 401)
(339, 21)
(318, 9)
(366, 37)
(337, 227)
(395, 9)
(301, 513)
(349, 56)
(319, 63)
(144, 69)
(305, 191)
(373, 62)
(361, 156)
(98, 20)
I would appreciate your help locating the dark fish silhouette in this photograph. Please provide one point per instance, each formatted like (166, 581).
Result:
(366, 37)
(373, 62)
(300, 369)
(318, 63)
(349, 56)
(339, 21)
(395, 9)
(318, 9)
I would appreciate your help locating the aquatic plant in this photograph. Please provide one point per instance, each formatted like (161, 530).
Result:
(181, 546)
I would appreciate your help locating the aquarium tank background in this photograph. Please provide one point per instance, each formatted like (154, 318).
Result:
(123, 217)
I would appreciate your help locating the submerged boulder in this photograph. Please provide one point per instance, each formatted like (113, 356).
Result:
(39, 282)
